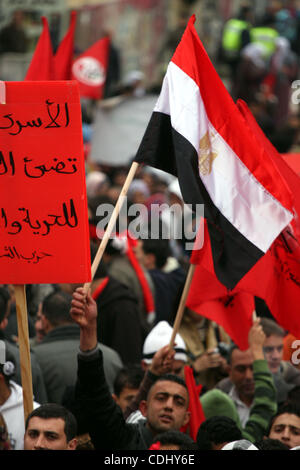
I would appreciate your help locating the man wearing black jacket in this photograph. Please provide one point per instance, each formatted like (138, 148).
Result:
(166, 406)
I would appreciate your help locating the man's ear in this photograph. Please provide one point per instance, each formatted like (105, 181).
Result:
(3, 324)
(143, 408)
(144, 365)
(72, 444)
(115, 398)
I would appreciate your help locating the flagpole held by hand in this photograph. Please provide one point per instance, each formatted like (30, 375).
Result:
(112, 222)
(181, 307)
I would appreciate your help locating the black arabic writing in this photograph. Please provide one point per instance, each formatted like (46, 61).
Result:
(11, 253)
(31, 170)
(57, 118)
(67, 216)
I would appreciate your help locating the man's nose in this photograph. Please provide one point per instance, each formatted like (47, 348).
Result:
(169, 403)
(249, 373)
(40, 442)
(285, 435)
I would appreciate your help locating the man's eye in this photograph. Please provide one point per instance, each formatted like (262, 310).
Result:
(51, 437)
(278, 428)
(295, 431)
(33, 434)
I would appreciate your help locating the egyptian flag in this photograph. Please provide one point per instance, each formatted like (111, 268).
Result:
(41, 65)
(197, 133)
(90, 69)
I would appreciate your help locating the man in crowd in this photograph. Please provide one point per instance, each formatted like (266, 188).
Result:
(166, 406)
(56, 353)
(247, 370)
(285, 425)
(285, 375)
(50, 427)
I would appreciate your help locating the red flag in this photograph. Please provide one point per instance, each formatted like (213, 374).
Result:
(275, 278)
(207, 296)
(64, 55)
(90, 69)
(41, 65)
(195, 408)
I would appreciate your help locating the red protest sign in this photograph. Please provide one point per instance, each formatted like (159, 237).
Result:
(43, 209)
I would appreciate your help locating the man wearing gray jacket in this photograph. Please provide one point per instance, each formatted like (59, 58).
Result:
(56, 353)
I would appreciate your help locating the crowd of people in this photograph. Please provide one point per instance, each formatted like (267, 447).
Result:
(104, 375)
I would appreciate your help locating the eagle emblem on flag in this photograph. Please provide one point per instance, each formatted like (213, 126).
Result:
(206, 155)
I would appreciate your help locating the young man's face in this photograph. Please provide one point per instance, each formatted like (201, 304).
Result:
(47, 434)
(286, 428)
(273, 351)
(166, 406)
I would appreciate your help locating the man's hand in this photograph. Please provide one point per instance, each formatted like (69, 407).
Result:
(208, 360)
(84, 313)
(256, 340)
(162, 361)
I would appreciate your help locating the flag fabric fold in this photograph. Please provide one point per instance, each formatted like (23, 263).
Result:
(63, 58)
(195, 408)
(275, 278)
(41, 65)
(197, 133)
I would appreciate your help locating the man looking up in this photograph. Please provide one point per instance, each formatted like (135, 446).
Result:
(165, 408)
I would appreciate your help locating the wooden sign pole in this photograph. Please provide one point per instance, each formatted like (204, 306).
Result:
(112, 222)
(24, 348)
(181, 307)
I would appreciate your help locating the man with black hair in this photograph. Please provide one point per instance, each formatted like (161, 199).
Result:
(50, 427)
(174, 440)
(11, 403)
(271, 444)
(217, 431)
(56, 353)
(165, 408)
(126, 385)
(285, 425)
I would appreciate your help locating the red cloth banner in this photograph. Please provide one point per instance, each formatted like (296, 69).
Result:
(43, 207)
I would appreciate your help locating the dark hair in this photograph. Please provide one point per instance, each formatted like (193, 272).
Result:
(56, 308)
(52, 410)
(159, 248)
(129, 377)
(293, 395)
(271, 444)
(217, 430)
(270, 327)
(4, 298)
(289, 408)
(178, 438)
